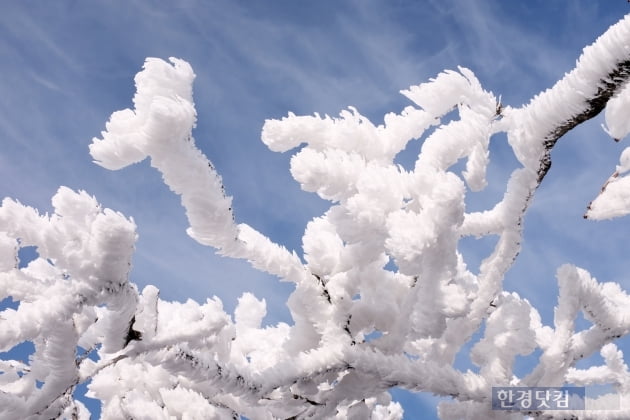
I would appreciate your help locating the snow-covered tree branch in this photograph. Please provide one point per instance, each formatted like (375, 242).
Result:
(383, 297)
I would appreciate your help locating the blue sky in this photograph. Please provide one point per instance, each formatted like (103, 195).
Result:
(67, 65)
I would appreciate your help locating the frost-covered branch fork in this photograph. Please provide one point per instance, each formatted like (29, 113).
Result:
(161, 359)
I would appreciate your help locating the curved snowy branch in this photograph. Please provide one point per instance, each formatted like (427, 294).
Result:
(160, 127)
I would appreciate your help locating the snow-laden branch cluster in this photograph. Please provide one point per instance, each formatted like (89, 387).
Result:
(75, 295)
(383, 297)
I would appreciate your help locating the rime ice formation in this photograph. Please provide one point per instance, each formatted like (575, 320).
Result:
(149, 358)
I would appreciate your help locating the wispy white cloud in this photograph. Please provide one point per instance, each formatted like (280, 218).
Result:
(46, 83)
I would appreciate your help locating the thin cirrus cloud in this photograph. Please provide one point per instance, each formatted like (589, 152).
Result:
(67, 66)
